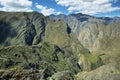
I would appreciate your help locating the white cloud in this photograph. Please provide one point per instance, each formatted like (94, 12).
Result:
(45, 10)
(88, 6)
(16, 5)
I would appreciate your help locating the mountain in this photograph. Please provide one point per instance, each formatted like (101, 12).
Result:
(100, 35)
(23, 28)
(73, 47)
(91, 31)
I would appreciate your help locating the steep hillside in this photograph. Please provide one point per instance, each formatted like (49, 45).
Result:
(73, 47)
(35, 47)
(21, 28)
(41, 61)
(101, 36)
(92, 31)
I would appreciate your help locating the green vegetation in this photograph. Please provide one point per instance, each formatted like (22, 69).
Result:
(56, 33)
(34, 47)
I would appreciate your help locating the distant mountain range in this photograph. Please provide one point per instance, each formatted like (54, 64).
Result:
(59, 47)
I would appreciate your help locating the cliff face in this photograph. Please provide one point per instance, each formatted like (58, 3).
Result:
(92, 31)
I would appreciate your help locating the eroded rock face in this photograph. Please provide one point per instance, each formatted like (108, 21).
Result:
(91, 30)
(91, 37)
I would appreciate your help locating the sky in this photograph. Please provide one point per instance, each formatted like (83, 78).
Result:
(98, 8)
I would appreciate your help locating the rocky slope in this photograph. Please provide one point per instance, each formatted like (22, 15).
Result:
(92, 32)
(101, 36)
(34, 47)
(21, 28)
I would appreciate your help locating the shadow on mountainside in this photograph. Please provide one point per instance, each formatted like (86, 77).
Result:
(6, 31)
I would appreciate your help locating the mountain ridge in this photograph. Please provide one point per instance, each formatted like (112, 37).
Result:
(79, 23)
(38, 47)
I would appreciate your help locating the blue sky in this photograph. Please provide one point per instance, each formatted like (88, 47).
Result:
(47, 7)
